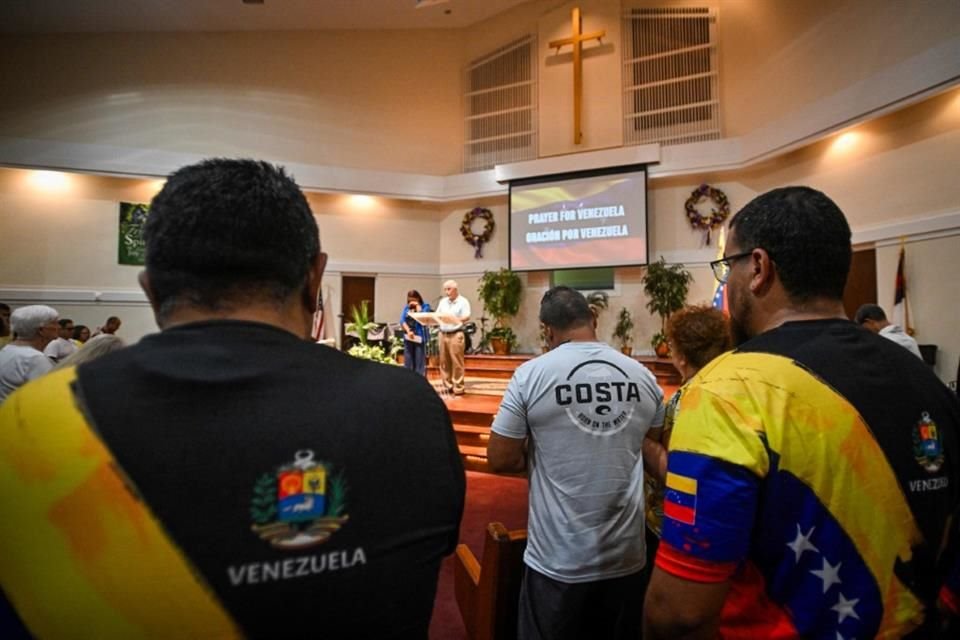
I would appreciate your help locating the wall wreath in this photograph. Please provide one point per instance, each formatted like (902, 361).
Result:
(477, 240)
(718, 214)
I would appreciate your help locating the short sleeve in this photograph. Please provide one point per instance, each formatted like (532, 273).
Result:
(714, 471)
(511, 418)
(659, 415)
(38, 366)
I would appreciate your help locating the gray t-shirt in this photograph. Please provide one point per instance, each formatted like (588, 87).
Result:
(586, 409)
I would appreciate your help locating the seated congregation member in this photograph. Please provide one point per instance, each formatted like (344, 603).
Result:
(81, 333)
(812, 472)
(22, 359)
(696, 335)
(872, 318)
(415, 335)
(227, 477)
(61, 346)
(576, 418)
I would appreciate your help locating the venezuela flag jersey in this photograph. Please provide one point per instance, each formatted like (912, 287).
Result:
(815, 468)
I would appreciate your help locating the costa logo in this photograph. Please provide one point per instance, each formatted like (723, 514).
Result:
(598, 397)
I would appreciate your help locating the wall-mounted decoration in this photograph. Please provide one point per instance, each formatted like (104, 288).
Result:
(718, 214)
(133, 217)
(477, 240)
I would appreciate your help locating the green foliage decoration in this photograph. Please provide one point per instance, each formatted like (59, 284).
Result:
(623, 331)
(501, 292)
(666, 287)
(362, 323)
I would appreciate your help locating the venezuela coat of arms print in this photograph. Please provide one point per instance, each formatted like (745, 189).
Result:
(300, 504)
(927, 444)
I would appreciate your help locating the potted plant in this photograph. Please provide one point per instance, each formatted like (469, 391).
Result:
(501, 292)
(544, 347)
(666, 287)
(362, 323)
(623, 332)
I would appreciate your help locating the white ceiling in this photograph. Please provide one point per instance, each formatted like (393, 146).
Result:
(65, 16)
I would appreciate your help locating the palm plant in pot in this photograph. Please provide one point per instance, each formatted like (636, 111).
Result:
(501, 292)
(666, 287)
(623, 332)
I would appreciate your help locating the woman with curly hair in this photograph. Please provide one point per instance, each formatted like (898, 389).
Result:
(696, 335)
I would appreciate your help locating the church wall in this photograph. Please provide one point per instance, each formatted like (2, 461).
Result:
(776, 58)
(391, 100)
(933, 292)
(602, 110)
(364, 99)
(781, 57)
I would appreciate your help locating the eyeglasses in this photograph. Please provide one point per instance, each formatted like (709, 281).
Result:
(721, 267)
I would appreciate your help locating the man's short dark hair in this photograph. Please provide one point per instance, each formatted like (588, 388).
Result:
(222, 232)
(869, 312)
(63, 322)
(564, 308)
(806, 236)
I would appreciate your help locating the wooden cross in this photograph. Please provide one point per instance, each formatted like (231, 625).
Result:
(576, 40)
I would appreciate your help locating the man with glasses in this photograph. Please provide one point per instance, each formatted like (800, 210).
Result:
(812, 473)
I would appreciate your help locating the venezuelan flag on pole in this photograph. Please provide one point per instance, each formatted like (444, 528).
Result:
(720, 295)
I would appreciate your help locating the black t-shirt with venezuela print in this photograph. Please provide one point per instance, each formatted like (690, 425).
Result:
(312, 491)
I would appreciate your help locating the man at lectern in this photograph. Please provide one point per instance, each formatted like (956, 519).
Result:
(452, 340)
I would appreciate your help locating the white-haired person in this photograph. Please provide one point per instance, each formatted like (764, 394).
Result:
(23, 360)
(99, 345)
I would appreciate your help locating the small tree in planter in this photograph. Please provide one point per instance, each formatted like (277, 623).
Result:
(667, 288)
(544, 347)
(623, 332)
(501, 292)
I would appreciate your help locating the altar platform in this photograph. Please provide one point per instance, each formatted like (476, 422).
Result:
(486, 380)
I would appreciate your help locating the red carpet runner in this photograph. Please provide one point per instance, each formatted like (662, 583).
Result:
(490, 498)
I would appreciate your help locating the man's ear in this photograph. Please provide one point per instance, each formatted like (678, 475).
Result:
(764, 271)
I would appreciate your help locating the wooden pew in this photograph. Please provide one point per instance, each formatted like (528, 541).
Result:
(487, 591)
